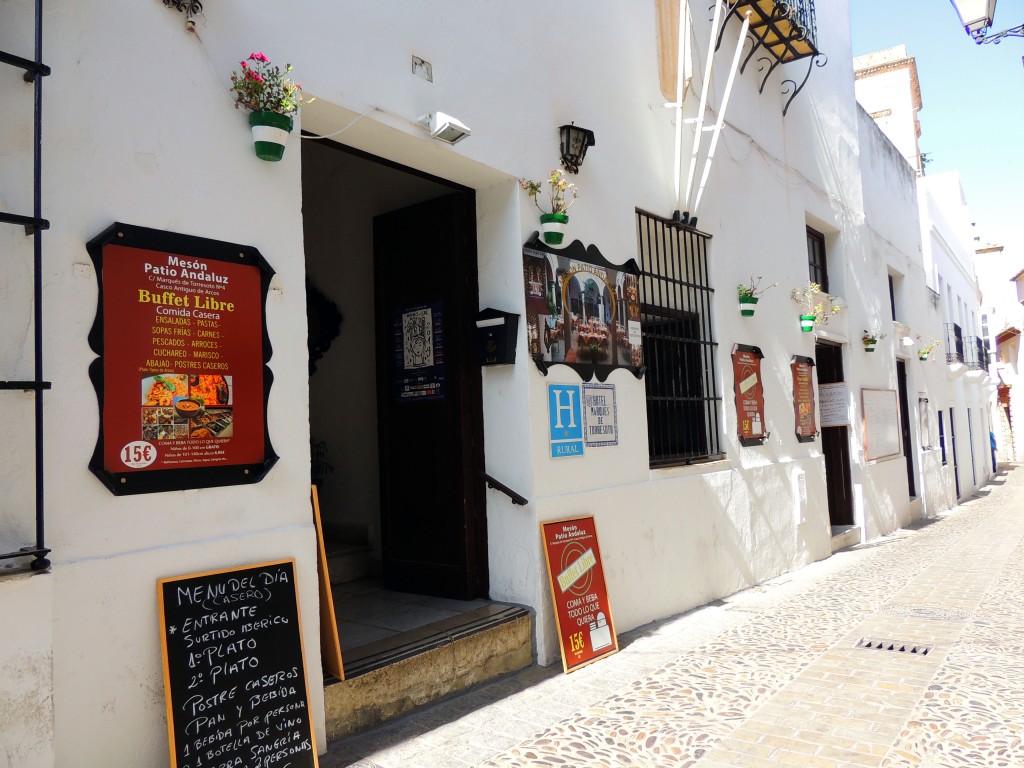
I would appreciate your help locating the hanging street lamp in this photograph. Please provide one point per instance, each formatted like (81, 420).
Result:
(976, 17)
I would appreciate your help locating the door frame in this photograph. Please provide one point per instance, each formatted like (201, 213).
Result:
(835, 443)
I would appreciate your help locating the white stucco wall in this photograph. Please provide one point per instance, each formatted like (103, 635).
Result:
(157, 143)
(946, 226)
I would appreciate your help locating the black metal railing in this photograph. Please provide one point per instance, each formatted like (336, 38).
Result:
(976, 353)
(954, 344)
(679, 346)
(517, 499)
(806, 19)
(786, 31)
(781, 32)
(34, 225)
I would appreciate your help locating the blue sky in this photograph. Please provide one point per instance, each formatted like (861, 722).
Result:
(972, 114)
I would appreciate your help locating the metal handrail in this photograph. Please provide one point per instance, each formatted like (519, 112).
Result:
(499, 486)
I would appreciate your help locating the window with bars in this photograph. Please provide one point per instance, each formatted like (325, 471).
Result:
(817, 266)
(683, 403)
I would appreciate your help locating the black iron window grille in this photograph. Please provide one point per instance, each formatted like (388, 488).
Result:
(34, 72)
(954, 344)
(683, 403)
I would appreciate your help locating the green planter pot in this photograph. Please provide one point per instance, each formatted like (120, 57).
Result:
(869, 347)
(270, 134)
(747, 305)
(552, 226)
(923, 358)
(807, 323)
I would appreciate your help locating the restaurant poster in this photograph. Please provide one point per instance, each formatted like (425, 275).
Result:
(181, 378)
(586, 631)
(803, 397)
(417, 335)
(581, 310)
(749, 394)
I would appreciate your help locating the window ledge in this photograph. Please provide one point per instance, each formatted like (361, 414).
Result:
(685, 470)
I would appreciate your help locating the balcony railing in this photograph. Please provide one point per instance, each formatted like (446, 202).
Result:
(783, 31)
(954, 344)
(976, 353)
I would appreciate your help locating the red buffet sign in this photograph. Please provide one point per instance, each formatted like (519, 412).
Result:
(586, 631)
(749, 393)
(803, 398)
(181, 379)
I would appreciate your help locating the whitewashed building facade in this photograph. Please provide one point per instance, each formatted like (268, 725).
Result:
(375, 214)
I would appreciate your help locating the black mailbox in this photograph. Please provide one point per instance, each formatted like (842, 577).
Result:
(496, 334)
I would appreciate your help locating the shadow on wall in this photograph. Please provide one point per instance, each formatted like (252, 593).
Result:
(763, 539)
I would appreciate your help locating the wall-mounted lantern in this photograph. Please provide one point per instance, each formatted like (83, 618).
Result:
(574, 142)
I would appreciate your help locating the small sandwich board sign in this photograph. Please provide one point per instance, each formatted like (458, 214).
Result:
(586, 631)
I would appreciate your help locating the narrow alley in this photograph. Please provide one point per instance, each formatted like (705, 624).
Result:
(789, 673)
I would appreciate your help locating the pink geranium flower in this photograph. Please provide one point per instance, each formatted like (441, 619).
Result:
(262, 87)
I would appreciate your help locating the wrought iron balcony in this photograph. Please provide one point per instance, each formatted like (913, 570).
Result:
(786, 30)
(783, 32)
(976, 350)
(954, 344)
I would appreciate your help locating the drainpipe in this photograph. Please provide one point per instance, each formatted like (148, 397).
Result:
(721, 114)
(703, 102)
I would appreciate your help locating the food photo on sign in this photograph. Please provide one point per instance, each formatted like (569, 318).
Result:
(178, 406)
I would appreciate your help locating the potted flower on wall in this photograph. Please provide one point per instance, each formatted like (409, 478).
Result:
(927, 349)
(871, 339)
(553, 224)
(750, 293)
(272, 99)
(816, 307)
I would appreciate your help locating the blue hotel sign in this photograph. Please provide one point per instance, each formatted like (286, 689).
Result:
(566, 420)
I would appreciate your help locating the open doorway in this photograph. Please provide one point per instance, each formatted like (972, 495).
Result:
(835, 443)
(395, 395)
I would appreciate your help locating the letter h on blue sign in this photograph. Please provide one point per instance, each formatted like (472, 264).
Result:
(566, 420)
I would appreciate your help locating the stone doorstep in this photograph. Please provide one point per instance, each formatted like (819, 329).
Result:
(844, 537)
(350, 562)
(447, 657)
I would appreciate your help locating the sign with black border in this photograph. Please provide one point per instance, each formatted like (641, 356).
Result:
(181, 380)
(803, 398)
(582, 311)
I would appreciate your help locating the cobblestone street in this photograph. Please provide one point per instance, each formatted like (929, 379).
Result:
(789, 673)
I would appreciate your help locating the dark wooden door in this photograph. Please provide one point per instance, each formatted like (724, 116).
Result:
(835, 441)
(433, 533)
(901, 382)
(952, 443)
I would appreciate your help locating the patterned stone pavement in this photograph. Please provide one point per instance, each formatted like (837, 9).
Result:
(779, 675)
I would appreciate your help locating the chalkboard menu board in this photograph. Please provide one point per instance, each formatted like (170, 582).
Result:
(234, 672)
